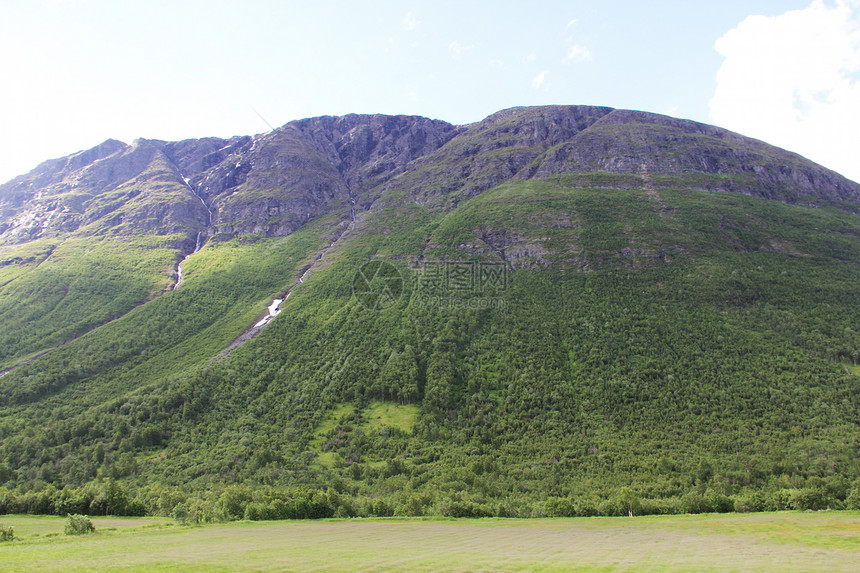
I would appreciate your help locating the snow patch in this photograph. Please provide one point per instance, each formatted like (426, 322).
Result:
(274, 310)
(275, 307)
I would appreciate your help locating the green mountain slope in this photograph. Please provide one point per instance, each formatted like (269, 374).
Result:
(555, 311)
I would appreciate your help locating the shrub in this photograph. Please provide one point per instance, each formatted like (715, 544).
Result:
(749, 502)
(234, 499)
(8, 501)
(694, 503)
(7, 533)
(718, 502)
(69, 500)
(777, 500)
(559, 507)
(341, 512)
(256, 511)
(586, 507)
(182, 514)
(463, 508)
(667, 506)
(853, 499)
(809, 498)
(276, 509)
(79, 525)
(414, 506)
(382, 509)
(610, 508)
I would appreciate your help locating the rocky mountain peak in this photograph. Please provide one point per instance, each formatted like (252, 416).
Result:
(275, 182)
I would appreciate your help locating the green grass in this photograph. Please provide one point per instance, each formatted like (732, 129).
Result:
(376, 415)
(332, 418)
(783, 542)
(64, 289)
(32, 527)
(400, 416)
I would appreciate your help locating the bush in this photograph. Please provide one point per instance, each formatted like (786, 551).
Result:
(381, 509)
(718, 502)
(809, 498)
(414, 506)
(669, 506)
(79, 525)
(853, 499)
(801, 499)
(611, 508)
(70, 501)
(7, 533)
(749, 502)
(695, 503)
(559, 507)
(463, 508)
(256, 511)
(182, 514)
(586, 507)
(779, 500)
(8, 501)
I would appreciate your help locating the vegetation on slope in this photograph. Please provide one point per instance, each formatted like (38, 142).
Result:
(53, 290)
(646, 349)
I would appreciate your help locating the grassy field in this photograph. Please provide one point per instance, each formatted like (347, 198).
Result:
(824, 541)
(398, 416)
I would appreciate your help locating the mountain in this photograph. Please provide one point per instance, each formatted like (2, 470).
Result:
(554, 311)
(275, 183)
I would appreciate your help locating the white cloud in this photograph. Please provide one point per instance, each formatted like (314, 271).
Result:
(572, 22)
(496, 63)
(794, 81)
(577, 53)
(539, 80)
(410, 22)
(457, 49)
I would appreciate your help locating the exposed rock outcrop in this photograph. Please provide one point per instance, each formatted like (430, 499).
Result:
(276, 182)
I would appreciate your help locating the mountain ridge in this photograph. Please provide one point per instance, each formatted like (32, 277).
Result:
(275, 182)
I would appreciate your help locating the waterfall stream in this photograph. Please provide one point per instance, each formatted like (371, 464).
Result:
(196, 194)
(199, 242)
(179, 266)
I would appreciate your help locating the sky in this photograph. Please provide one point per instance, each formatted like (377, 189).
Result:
(77, 72)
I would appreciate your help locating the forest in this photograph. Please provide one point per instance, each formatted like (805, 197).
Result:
(616, 355)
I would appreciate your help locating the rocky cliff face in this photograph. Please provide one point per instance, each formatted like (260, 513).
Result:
(113, 188)
(311, 167)
(494, 150)
(632, 142)
(274, 183)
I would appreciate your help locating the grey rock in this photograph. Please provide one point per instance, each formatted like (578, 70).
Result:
(274, 183)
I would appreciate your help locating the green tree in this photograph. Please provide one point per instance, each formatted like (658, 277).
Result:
(630, 501)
